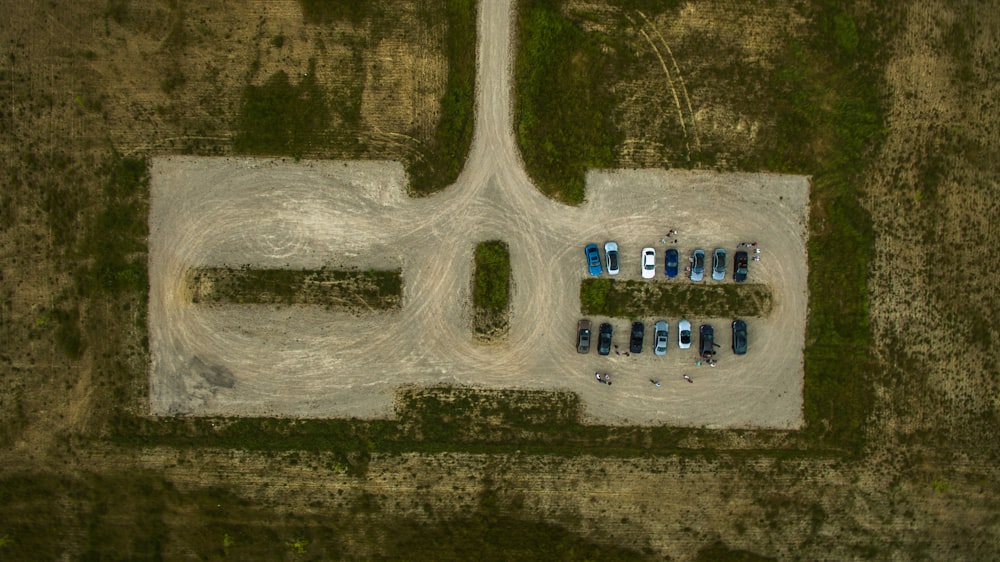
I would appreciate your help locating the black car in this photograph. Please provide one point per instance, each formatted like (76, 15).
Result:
(583, 336)
(739, 337)
(635, 341)
(707, 343)
(604, 339)
(740, 267)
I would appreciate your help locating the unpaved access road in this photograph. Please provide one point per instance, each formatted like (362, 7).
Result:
(310, 362)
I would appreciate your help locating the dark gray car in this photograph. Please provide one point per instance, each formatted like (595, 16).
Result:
(707, 344)
(739, 337)
(583, 336)
(635, 341)
(604, 339)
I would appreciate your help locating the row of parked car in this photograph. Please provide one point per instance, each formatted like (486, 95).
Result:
(661, 337)
(671, 263)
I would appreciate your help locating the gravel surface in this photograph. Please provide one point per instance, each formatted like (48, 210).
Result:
(307, 361)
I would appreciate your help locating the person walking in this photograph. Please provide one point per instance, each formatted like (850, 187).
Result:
(688, 378)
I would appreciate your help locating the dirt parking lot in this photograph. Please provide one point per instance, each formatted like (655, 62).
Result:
(306, 361)
(302, 361)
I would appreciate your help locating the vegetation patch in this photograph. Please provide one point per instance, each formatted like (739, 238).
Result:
(440, 161)
(635, 299)
(461, 419)
(563, 94)
(467, 414)
(279, 117)
(491, 289)
(332, 288)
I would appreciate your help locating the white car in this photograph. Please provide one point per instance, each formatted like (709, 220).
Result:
(683, 334)
(611, 256)
(648, 263)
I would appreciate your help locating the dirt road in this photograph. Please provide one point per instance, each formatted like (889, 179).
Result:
(302, 361)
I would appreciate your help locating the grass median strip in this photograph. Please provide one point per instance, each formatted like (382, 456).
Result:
(333, 288)
(628, 299)
(491, 289)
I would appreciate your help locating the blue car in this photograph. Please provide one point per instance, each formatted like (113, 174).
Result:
(671, 263)
(593, 259)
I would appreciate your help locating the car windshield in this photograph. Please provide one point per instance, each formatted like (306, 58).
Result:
(686, 336)
(613, 260)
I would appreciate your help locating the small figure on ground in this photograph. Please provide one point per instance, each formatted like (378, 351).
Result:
(607, 378)
(654, 381)
(598, 375)
(757, 251)
(756, 258)
(688, 378)
(626, 354)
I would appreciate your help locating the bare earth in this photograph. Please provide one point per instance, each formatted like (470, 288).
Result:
(306, 361)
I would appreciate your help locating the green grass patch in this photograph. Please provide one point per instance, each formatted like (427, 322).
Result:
(439, 163)
(837, 117)
(332, 288)
(114, 251)
(562, 110)
(491, 288)
(279, 117)
(635, 299)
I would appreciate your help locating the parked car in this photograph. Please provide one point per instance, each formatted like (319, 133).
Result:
(660, 337)
(740, 266)
(648, 263)
(719, 264)
(707, 341)
(635, 340)
(670, 263)
(604, 339)
(583, 336)
(593, 259)
(697, 265)
(611, 256)
(684, 334)
(739, 337)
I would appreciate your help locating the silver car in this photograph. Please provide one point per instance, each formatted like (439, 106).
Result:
(719, 264)
(697, 265)
(660, 332)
